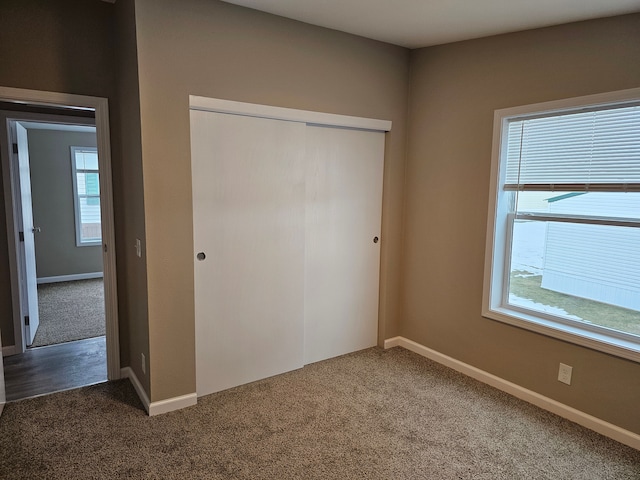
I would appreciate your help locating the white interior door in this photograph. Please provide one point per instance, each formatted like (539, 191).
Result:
(29, 285)
(248, 206)
(343, 221)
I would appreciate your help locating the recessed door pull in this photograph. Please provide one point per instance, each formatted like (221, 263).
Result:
(375, 239)
(201, 256)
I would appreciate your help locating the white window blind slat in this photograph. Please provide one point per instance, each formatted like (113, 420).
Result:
(577, 148)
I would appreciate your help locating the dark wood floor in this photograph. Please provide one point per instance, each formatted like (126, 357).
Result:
(54, 368)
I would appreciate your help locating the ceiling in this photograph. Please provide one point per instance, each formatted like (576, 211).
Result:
(421, 23)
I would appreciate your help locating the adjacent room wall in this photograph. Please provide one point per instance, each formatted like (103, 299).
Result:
(214, 49)
(455, 89)
(52, 201)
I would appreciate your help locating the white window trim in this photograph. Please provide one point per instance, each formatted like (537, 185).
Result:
(76, 199)
(601, 339)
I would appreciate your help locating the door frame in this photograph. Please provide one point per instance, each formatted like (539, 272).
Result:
(101, 109)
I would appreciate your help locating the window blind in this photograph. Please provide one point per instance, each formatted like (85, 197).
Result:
(575, 151)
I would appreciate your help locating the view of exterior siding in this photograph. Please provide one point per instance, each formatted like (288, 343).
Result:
(87, 183)
(578, 258)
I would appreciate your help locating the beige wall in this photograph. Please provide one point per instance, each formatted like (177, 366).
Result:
(128, 197)
(60, 46)
(454, 90)
(52, 202)
(214, 49)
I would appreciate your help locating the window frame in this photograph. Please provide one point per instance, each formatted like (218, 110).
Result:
(77, 196)
(497, 254)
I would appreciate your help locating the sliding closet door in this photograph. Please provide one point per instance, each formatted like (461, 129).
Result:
(342, 260)
(249, 219)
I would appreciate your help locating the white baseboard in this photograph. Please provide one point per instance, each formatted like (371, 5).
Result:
(10, 350)
(163, 406)
(171, 404)
(581, 418)
(70, 278)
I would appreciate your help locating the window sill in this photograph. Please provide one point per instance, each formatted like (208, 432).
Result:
(89, 244)
(610, 344)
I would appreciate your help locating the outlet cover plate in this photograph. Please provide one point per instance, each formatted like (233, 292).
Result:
(564, 373)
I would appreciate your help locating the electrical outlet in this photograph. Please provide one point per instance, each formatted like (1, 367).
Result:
(564, 373)
(138, 247)
(144, 365)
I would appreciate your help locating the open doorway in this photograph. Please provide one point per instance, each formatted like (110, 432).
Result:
(65, 201)
(61, 245)
(62, 262)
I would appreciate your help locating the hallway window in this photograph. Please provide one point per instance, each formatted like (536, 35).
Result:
(563, 256)
(86, 186)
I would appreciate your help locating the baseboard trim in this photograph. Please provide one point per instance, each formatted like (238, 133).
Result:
(10, 350)
(171, 404)
(163, 406)
(581, 418)
(70, 278)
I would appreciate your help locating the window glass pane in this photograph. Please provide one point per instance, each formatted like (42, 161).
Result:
(588, 273)
(86, 159)
(597, 204)
(90, 219)
(88, 183)
(92, 184)
(536, 202)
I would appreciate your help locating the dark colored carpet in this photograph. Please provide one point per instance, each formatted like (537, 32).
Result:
(70, 311)
(370, 415)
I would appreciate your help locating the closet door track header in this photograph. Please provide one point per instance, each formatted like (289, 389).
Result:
(287, 114)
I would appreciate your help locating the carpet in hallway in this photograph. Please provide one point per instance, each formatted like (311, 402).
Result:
(70, 311)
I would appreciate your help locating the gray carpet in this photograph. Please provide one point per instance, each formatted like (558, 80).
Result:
(70, 311)
(371, 415)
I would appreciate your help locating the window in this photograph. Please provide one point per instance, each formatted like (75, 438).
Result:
(86, 200)
(563, 241)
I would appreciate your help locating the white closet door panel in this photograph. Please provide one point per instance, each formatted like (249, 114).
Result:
(248, 206)
(342, 262)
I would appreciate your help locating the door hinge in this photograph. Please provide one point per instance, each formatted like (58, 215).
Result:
(26, 320)
(21, 236)
(15, 148)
